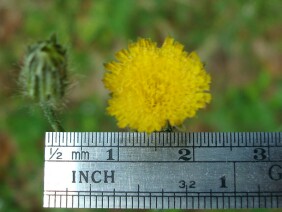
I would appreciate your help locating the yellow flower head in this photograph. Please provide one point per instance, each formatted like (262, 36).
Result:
(151, 86)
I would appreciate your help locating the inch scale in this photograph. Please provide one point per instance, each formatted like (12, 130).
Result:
(163, 170)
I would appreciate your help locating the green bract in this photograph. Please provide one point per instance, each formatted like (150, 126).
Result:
(44, 74)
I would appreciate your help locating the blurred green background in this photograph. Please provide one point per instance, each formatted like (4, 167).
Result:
(239, 41)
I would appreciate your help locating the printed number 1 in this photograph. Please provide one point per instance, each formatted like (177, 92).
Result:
(223, 182)
(110, 151)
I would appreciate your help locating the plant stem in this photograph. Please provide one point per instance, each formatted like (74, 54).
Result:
(169, 128)
(52, 118)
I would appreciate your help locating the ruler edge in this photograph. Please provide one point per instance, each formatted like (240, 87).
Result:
(195, 137)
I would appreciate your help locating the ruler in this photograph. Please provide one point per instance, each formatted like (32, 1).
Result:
(163, 170)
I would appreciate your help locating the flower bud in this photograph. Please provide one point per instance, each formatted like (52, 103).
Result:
(44, 74)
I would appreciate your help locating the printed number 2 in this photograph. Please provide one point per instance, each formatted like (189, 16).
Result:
(184, 153)
(259, 154)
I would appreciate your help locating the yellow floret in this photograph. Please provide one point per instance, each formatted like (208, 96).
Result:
(151, 86)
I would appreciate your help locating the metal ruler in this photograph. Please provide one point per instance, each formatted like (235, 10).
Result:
(163, 170)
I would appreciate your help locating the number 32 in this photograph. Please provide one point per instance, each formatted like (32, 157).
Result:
(183, 184)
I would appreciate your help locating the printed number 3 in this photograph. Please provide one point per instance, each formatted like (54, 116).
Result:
(259, 154)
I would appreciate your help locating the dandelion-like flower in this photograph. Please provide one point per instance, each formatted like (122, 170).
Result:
(152, 86)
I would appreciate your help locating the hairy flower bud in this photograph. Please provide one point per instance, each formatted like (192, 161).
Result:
(44, 74)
